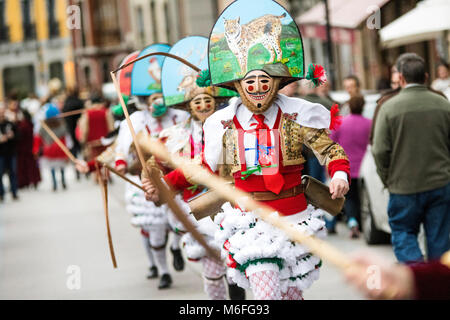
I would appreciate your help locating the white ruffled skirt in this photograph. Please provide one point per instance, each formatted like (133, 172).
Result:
(145, 214)
(250, 245)
(206, 227)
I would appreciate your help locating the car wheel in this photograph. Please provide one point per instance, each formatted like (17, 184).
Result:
(372, 235)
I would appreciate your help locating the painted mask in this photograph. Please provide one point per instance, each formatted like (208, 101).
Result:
(202, 106)
(258, 90)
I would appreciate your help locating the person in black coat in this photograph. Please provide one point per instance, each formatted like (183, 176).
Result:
(73, 103)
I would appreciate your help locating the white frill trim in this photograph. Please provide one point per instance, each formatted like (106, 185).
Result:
(250, 239)
(144, 213)
(205, 226)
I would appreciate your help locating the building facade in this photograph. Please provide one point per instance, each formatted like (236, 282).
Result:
(102, 38)
(356, 47)
(35, 46)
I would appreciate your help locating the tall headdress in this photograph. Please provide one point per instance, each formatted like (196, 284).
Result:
(146, 73)
(255, 35)
(124, 75)
(179, 81)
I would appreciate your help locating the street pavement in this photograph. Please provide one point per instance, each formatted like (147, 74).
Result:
(53, 245)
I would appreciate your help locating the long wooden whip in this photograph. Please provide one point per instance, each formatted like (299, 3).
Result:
(102, 181)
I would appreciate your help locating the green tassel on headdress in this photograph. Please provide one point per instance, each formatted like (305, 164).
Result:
(204, 79)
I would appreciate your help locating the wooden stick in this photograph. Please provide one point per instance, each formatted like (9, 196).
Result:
(165, 54)
(121, 175)
(58, 142)
(166, 194)
(104, 189)
(244, 200)
(70, 113)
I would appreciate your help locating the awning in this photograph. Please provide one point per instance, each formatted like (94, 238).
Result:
(343, 13)
(426, 21)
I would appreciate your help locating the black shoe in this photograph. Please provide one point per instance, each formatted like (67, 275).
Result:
(332, 231)
(2, 198)
(64, 186)
(15, 197)
(178, 261)
(166, 281)
(235, 292)
(153, 273)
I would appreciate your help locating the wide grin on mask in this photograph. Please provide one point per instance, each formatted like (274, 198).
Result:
(258, 95)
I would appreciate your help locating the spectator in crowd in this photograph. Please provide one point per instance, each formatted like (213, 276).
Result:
(419, 281)
(27, 166)
(383, 83)
(352, 86)
(44, 146)
(12, 112)
(395, 79)
(73, 103)
(353, 136)
(442, 83)
(95, 124)
(8, 153)
(411, 149)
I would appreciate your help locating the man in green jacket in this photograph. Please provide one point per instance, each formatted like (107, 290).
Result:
(411, 148)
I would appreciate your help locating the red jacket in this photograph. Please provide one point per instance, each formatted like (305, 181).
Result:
(51, 151)
(97, 124)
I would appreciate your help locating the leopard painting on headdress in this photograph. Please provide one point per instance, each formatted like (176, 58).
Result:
(265, 30)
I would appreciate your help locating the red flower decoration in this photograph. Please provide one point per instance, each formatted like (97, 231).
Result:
(291, 116)
(316, 74)
(336, 119)
(227, 124)
(226, 245)
(319, 74)
(231, 263)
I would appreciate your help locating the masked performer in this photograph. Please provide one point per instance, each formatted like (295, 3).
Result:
(153, 117)
(259, 138)
(181, 91)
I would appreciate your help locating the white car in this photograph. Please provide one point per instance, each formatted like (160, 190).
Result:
(373, 196)
(374, 199)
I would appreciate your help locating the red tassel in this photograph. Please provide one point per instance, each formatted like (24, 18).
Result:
(319, 74)
(336, 119)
